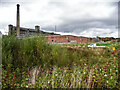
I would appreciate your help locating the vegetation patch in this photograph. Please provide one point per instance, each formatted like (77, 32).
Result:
(58, 66)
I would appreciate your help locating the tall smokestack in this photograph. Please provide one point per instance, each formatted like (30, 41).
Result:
(18, 20)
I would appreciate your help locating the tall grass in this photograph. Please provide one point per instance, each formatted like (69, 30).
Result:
(22, 52)
(34, 51)
(84, 66)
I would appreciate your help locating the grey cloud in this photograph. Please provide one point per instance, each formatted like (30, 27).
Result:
(71, 23)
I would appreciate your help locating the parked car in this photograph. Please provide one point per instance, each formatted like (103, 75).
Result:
(93, 45)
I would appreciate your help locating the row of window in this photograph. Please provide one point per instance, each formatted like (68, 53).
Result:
(82, 39)
(69, 40)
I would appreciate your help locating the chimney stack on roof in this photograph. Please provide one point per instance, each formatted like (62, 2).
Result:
(37, 28)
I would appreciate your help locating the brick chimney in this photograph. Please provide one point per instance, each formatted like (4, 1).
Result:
(10, 28)
(18, 21)
(37, 28)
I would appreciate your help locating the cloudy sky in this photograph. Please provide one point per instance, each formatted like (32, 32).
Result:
(77, 17)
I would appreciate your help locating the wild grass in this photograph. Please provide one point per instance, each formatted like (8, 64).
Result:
(58, 66)
(34, 51)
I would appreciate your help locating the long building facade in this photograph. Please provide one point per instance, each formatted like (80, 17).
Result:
(28, 31)
(70, 39)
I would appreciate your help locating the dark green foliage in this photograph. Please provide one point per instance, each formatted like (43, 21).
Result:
(25, 52)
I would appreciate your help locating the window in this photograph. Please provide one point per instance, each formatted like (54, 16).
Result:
(67, 37)
(82, 39)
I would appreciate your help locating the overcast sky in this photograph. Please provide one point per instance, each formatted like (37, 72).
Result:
(77, 17)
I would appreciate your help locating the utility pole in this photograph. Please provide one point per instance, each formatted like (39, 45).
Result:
(18, 20)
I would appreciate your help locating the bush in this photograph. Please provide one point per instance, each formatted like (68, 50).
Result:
(25, 52)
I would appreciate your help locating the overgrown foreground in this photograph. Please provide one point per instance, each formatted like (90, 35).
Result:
(32, 63)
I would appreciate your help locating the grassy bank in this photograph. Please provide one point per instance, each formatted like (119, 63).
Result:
(58, 66)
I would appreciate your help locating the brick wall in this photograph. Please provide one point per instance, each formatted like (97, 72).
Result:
(69, 38)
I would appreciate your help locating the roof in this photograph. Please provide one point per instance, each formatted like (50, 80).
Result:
(25, 29)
